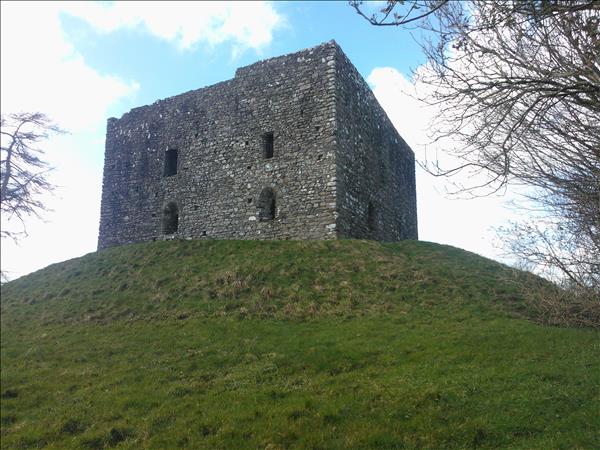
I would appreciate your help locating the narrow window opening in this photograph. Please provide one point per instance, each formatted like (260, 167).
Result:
(371, 216)
(267, 207)
(268, 145)
(170, 218)
(170, 162)
(144, 165)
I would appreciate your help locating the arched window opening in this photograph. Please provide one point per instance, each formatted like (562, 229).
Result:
(170, 162)
(268, 140)
(267, 207)
(170, 218)
(371, 216)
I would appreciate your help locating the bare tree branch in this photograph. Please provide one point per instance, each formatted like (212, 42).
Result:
(517, 83)
(22, 170)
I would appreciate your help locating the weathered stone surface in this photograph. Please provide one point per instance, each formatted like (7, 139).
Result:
(294, 147)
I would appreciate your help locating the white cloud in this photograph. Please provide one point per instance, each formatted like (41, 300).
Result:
(465, 223)
(42, 72)
(70, 227)
(245, 24)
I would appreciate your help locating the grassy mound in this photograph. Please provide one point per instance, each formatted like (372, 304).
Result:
(276, 279)
(240, 344)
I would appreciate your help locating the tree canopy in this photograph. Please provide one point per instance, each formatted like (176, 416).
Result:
(519, 82)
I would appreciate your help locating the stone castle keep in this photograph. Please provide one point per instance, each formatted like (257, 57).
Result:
(293, 147)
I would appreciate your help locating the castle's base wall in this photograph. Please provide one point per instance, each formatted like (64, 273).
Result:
(220, 135)
(294, 147)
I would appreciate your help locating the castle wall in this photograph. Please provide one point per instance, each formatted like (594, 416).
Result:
(376, 194)
(218, 133)
(199, 165)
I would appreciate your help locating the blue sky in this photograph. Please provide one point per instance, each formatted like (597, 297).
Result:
(81, 63)
(163, 69)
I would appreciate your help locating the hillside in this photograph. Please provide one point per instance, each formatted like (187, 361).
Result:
(281, 344)
(274, 279)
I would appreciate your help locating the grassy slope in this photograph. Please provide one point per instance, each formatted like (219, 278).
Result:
(237, 344)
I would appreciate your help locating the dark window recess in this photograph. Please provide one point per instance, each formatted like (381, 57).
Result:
(170, 218)
(170, 162)
(143, 164)
(371, 216)
(266, 205)
(268, 145)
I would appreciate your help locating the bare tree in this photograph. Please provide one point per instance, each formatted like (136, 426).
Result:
(392, 15)
(519, 82)
(23, 174)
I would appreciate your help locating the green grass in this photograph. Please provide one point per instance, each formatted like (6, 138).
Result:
(236, 344)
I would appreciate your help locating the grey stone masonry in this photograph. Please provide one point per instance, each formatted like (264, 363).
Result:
(293, 147)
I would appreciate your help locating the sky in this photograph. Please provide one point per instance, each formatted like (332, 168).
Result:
(81, 63)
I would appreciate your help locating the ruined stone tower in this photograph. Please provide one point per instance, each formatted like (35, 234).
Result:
(293, 147)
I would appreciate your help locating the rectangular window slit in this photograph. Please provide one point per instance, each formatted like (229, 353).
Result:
(268, 145)
(170, 162)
